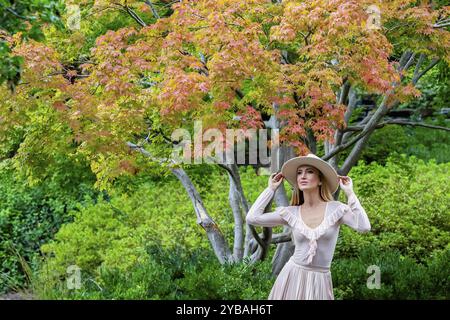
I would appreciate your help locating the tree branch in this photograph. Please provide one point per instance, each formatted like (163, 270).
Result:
(420, 75)
(11, 11)
(372, 121)
(237, 182)
(403, 59)
(418, 65)
(233, 198)
(339, 134)
(410, 61)
(147, 154)
(442, 23)
(408, 64)
(363, 137)
(281, 237)
(135, 16)
(346, 145)
(152, 7)
(400, 122)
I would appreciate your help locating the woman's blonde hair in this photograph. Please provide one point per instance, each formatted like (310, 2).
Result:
(324, 191)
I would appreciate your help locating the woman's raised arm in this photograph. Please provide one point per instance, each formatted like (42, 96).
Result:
(256, 215)
(354, 214)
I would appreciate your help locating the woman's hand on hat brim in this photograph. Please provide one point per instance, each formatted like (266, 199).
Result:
(346, 184)
(275, 180)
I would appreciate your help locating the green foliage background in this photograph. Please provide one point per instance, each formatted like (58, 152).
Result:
(145, 244)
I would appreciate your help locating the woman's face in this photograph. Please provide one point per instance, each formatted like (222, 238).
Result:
(307, 177)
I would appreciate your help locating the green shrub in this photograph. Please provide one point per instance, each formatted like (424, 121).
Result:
(407, 202)
(114, 233)
(240, 281)
(31, 215)
(169, 274)
(176, 274)
(401, 277)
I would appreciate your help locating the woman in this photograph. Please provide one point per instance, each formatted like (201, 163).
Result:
(315, 219)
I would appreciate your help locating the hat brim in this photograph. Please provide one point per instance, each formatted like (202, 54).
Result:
(289, 171)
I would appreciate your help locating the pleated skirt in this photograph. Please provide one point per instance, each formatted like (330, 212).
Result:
(298, 282)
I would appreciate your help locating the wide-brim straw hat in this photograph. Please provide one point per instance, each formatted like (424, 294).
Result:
(289, 170)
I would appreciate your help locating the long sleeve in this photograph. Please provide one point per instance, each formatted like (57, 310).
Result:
(355, 216)
(256, 215)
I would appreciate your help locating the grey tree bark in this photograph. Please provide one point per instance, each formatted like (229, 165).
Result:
(238, 248)
(283, 250)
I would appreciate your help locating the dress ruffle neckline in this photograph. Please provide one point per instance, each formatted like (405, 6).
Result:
(292, 216)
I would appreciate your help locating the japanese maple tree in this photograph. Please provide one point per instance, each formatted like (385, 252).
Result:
(230, 64)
